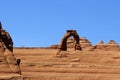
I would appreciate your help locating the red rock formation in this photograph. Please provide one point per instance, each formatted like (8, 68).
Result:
(69, 33)
(7, 57)
(111, 45)
(85, 43)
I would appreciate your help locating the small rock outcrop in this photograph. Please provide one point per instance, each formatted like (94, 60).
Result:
(86, 44)
(111, 45)
(100, 45)
(54, 46)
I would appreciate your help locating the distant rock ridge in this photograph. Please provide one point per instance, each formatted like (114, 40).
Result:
(111, 45)
(86, 45)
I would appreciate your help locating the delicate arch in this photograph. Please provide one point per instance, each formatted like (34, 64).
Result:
(63, 44)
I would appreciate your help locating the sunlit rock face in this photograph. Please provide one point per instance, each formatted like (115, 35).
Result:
(8, 62)
(111, 45)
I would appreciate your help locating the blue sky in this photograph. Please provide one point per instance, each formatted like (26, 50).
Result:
(41, 23)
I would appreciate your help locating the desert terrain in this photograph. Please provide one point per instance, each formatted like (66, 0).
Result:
(80, 60)
(42, 64)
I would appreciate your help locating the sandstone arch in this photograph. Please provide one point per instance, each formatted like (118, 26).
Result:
(69, 33)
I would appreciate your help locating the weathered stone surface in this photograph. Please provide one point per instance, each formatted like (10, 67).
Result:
(12, 61)
(8, 62)
(75, 60)
(54, 46)
(61, 54)
(6, 38)
(69, 33)
(100, 45)
(111, 45)
(10, 76)
(84, 42)
(63, 44)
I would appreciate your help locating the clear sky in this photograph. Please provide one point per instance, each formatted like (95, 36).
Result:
(40, 23)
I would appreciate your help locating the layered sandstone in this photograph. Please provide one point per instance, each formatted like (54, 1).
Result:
(86, 44)
(111, 45)
(8, 62)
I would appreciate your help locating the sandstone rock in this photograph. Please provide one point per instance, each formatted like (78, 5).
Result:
(6, 38)
(54, 47)
(12, 61)
(71, 40)
(8, 62)
(112, 43)
(75, 60)
(61, 54)
(69, 33)
(100, 45)
(10, 76)
(85, 43)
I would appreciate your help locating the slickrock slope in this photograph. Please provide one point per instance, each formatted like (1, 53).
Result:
(99, 62)
(42, 64)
